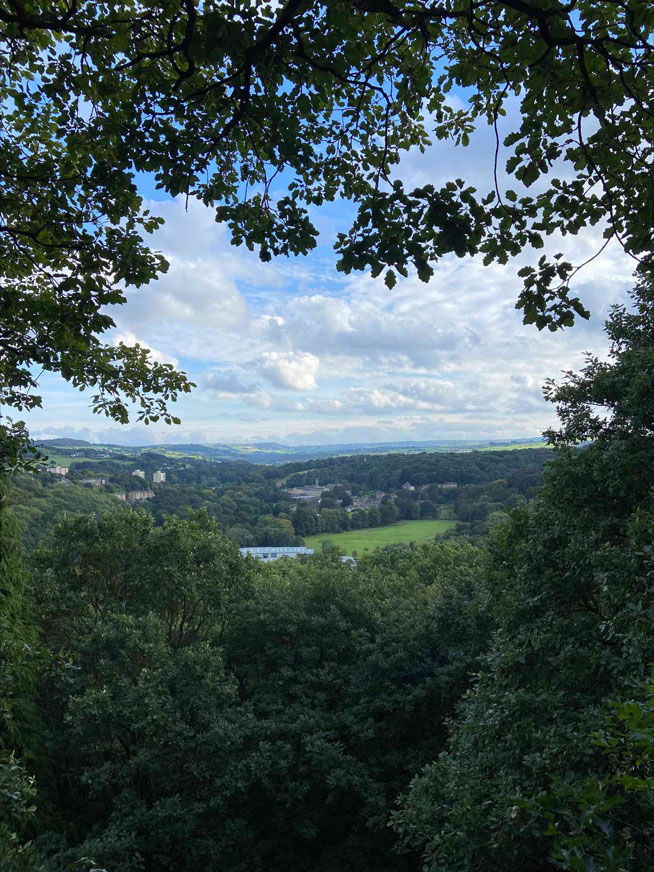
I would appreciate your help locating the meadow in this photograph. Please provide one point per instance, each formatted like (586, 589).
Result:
(376, 537)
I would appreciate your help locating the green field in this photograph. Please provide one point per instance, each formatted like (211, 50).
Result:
(516, 446)
(376, 537)
(57, 459)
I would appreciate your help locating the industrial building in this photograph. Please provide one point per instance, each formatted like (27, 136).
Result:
(269, 553)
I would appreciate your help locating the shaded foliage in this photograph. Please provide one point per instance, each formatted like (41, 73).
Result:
(273, 729)
(571, 582)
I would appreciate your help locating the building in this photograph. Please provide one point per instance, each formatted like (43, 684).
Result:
(448, 484)
(365, 502)
(308, 494)
(57, 470)
(269, 553)
(158, 477)
(139, 473)
(94, 482)
(408, 486)
(136, 496)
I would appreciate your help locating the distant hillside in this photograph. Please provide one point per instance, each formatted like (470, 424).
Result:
(63, 441)
(254, 503)
(274, 452)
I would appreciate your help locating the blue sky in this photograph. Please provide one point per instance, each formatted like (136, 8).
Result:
(295, 352)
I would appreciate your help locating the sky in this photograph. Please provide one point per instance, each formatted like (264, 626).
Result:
(292, 351)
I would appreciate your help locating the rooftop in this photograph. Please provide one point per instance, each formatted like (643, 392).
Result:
(283, 549)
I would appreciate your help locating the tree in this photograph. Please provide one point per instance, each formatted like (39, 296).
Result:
(428, 509)
(274, 531)
(358, 519)
(374, 517)
(351, 675)
(183, 572)
(213, 712)
(330, 521)
(328, 500)
(242, 535)
(523, 782)
(306, 521)
(19, 664)
(17, 793)
(606, 823)
(322, 97)
(388, 513)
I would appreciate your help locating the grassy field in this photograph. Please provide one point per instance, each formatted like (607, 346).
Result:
(516, 446)
(376, 537)
(57, 459)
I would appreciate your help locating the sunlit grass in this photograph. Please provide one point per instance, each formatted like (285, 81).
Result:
(362, 541)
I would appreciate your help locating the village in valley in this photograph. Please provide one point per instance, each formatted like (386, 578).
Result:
(353, 503)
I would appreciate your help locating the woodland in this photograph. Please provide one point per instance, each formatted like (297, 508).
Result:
(166, 704)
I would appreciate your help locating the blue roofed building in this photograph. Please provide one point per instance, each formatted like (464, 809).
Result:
(269, 553)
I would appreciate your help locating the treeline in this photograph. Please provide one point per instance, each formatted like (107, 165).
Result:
(477, 507)
(251, 512)
(388, 472)
(169, 706)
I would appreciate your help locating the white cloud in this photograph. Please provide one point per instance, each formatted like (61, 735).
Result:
(294, 370)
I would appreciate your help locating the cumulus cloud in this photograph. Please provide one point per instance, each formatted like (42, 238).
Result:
(294, 370)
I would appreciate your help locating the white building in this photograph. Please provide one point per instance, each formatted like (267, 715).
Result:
(139, 473)
(94, 482)
(158, 477)
(269, 553)
(57, 470)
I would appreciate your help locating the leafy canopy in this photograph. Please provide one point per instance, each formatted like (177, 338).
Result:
(265, 112)
(549, 764)
(215, 713)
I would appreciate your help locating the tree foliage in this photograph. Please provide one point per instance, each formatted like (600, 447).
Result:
(19, 663)
(213, 712)
(523, 784)
(265, 112)
(209, 711)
